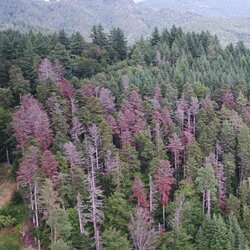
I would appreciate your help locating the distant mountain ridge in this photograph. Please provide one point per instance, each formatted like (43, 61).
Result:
(228, 8)
(135, 19)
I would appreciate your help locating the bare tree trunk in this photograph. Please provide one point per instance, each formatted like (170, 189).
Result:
(39, 244)
(97, 156)
(7, 156)
(189, 118)
(176, 168)
(209, 203)
(163, 217)
(150, 194)
(36, 205)
(55, 234)
(194, 125)
(184, 168)
(94, 208)
(32, 204)
(80, 214)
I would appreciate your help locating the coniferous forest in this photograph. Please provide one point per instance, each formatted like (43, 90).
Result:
(116, 146)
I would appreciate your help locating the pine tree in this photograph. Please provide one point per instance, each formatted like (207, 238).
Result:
(207, 185)
(213, 234)
(19, 85)
(117, 212)
(49, 164)
(26, 177)
(155, 37)
(77, 44)
(163, 182)
(117, 45)
(60, 225)
(45, 71)
(95, 193)
(244, 151)
(98, 36)
(113, 239)
(5, 135)
(238, 239)
(31, 120)
(176, 147)
(193, 161)
(142, 231)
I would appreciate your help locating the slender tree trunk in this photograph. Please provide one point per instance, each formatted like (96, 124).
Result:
(184, 169)
(203, 200)
(189, 119)
(95, 223)
(39, 244)
(7, 156)
(194, 125)
(97, 157)
(51, 233)
(150, 194)
(55, 234)
(79, 214)
(163, 217)
(209, 203)
(241, 174)
(80, 222)
(36, 205)
(176, 166)
(32, 204)
(182, 122)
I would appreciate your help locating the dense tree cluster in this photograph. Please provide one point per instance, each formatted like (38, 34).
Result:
(146, 147)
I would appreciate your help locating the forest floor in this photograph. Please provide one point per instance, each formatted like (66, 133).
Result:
(10, 236)
(7, 185)
(6, 191)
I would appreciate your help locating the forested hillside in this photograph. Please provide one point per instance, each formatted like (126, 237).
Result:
(115, 147)
(229, 8)
(135, 20)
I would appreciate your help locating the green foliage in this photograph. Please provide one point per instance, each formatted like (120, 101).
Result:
(10, 241)
(113, 239)
(146, 150)
(12, 214)
(178, 240)
(7, 221)
(60, 225)
(18, 84)
(207, 129)
(246, 222)
(60, 245)
(78, 241)
(155, 37)
(214, 234)
(237, 236)
(244, 150)
(117, 45)
(45, 89)
(85, 67)
(206, 180)
(117, 212)
(193, 161)
(5, 133)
